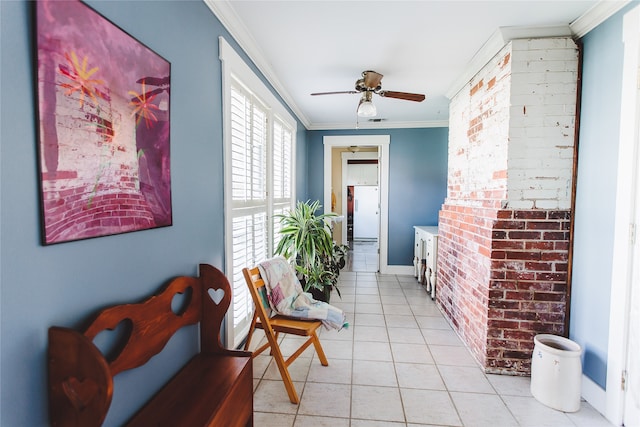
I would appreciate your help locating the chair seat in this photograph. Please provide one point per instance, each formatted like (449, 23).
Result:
(288, 325)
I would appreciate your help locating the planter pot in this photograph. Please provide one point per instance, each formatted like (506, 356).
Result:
(556, 372)
(319, 295)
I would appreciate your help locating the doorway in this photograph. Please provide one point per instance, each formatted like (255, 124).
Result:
(360, 178)
(359, 185)
(381, 144)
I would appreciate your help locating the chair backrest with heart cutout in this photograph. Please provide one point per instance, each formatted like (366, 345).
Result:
(153, 323)
(81, 376)
(216, 299)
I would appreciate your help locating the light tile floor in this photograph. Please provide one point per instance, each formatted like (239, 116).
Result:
(363, 256)
(399, 364)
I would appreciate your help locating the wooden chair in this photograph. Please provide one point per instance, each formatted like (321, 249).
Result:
(275, 325)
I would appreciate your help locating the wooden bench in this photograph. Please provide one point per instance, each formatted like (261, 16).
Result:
(215, 388)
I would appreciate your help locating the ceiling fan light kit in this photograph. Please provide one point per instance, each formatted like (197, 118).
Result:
(370, 83)
(366, 107)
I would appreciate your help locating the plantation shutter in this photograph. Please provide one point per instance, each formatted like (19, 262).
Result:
(282, 175)
(259, 164)
(249, 199)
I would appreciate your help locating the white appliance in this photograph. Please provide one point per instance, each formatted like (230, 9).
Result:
(365, 212)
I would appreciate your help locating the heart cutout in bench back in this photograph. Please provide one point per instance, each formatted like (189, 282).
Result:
(80, 393)
(216, 295)
(110, 342)
(180, 301)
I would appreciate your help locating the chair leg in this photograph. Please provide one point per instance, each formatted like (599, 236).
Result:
(284, 372)
(319, 350)
(277, 336)
(252, 329)
(299, 351)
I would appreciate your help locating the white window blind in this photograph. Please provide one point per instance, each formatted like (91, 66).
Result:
(282, 175)
(259, 163)
(249, 199)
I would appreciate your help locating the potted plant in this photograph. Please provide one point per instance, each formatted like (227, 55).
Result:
(319, 281)
(306, 242)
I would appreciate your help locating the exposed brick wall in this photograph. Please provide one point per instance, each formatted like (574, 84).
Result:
(504, 226)
(528, 286)
(464, 268)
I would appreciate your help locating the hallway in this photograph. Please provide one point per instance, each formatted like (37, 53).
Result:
(399, 364)
(363, 256)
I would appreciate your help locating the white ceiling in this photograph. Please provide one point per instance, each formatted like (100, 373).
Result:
(421, 46)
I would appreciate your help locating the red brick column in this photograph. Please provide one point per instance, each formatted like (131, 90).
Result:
(502, 279)
(464, 268)
(528, 285)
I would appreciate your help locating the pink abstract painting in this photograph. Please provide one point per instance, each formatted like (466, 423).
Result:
(103, 101)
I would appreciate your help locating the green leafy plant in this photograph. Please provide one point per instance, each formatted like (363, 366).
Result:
(340, 255)
(320, 278)
(306, 242)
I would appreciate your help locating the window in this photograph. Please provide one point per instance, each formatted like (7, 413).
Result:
(282, 175)
(258, 147)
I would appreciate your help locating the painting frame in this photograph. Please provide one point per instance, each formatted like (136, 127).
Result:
(103, 122)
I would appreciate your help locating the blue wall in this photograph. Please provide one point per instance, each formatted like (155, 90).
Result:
(417, 181)
(62, 284)
(302, 185)
(595, 198)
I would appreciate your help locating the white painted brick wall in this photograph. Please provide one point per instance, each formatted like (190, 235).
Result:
(542, 123)
(525, 101)
(478, 162)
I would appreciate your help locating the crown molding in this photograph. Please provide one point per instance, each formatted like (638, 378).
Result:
(539, 32)
(595, 16)
(223, 10)
(225, 13)
(379, 125)
(499, 39)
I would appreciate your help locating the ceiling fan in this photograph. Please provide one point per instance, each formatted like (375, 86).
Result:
(370, 83)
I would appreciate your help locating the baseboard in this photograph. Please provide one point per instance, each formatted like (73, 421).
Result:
(594, 394)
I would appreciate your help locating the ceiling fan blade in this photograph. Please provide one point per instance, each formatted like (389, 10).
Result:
(417, 97)
(372, 79)
(334, 93)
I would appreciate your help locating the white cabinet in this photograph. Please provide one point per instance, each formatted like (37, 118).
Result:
(425, 256)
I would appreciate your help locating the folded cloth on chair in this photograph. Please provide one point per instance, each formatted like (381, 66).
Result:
(286, 296)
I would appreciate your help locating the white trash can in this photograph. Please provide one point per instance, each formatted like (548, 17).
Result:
(556, 372)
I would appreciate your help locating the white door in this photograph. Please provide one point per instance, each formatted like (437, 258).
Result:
(632, 380)
(623, 364)
(365, 212)
(632, 383)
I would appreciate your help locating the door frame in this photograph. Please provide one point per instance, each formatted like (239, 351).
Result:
(382, 142)
(625, 213)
